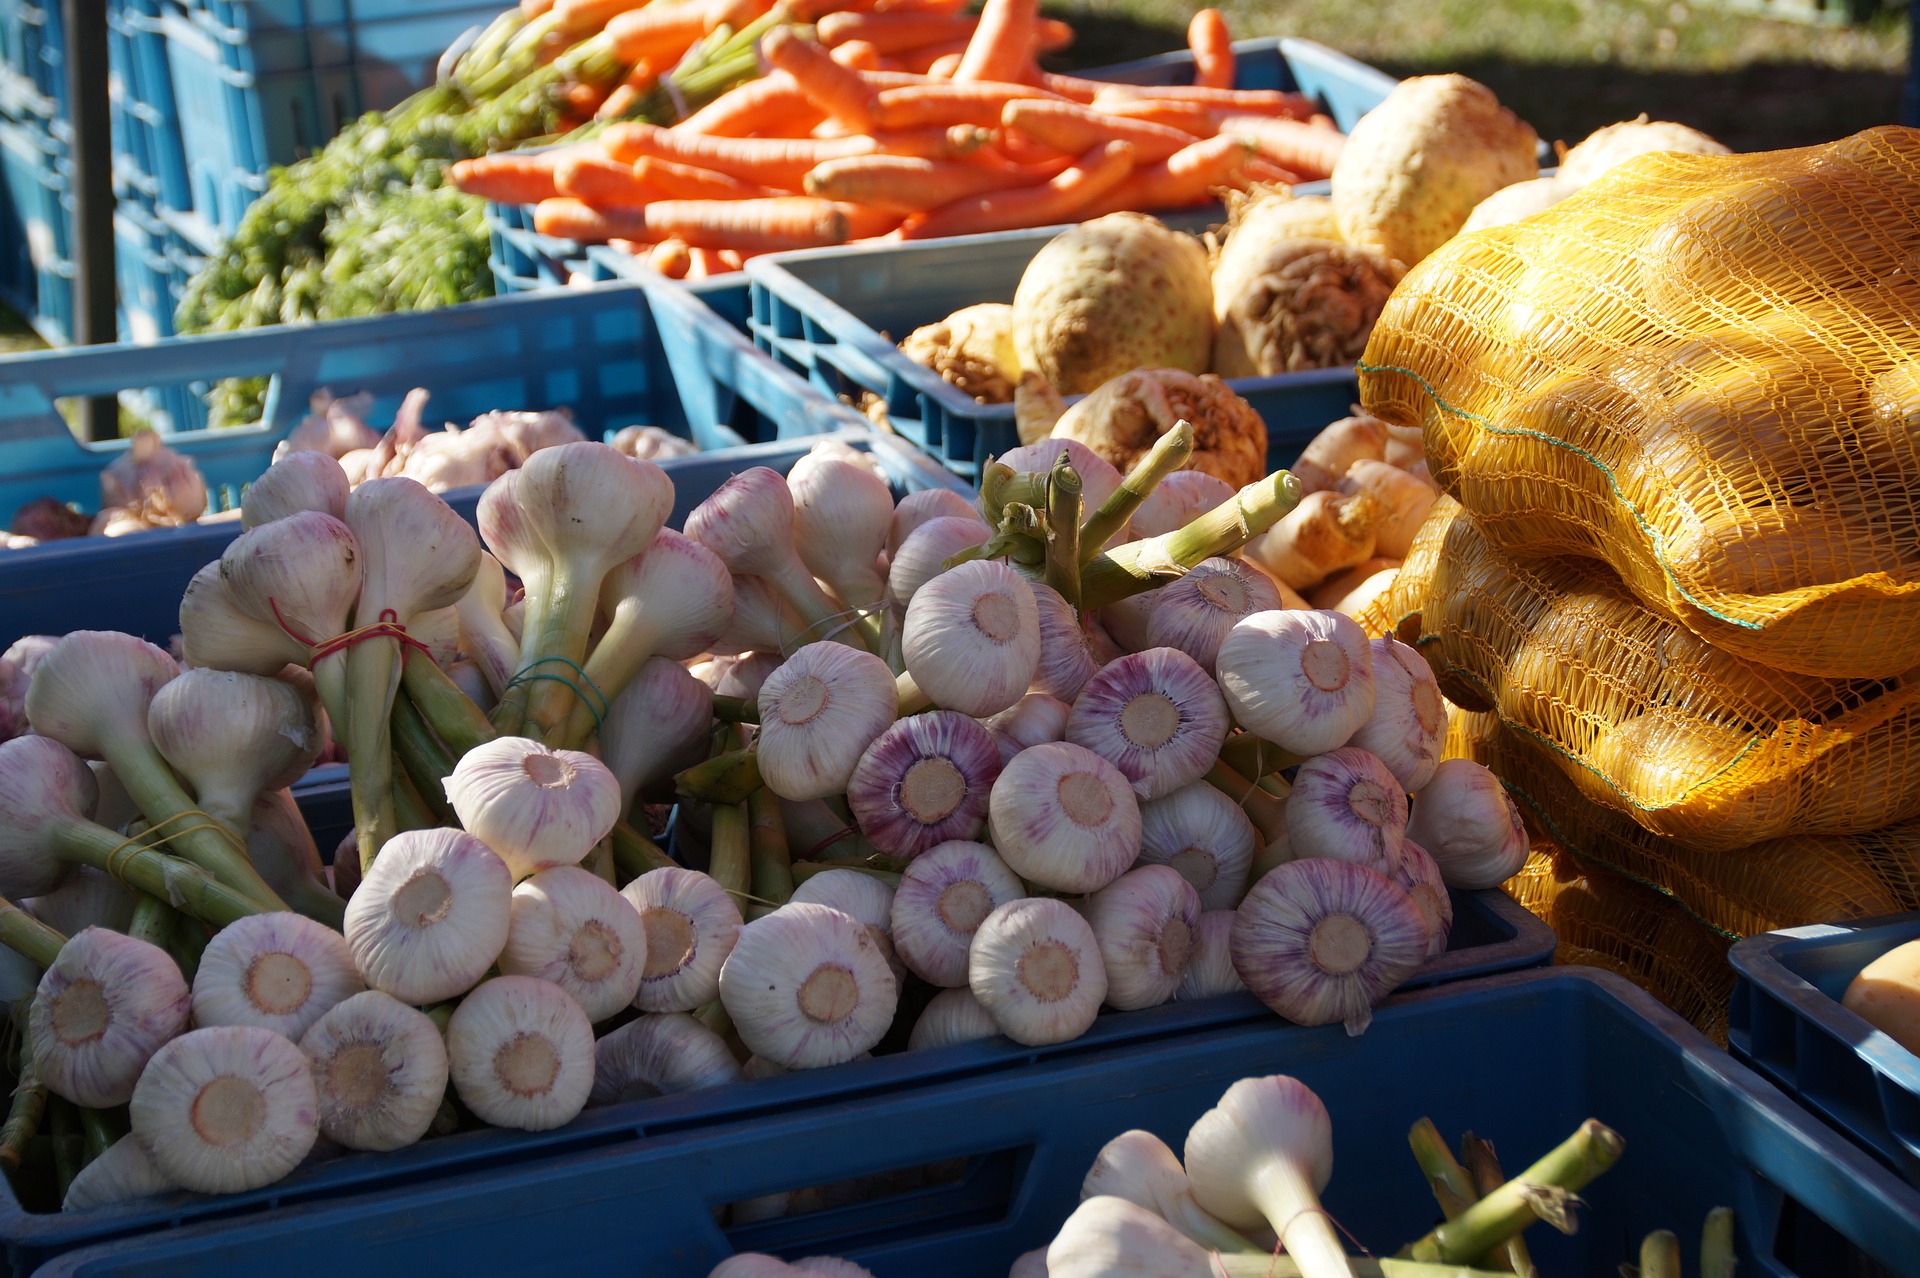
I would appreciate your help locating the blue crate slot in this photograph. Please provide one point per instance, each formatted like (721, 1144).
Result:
(1785, 1019)
(1700, 1131)
(39, 275)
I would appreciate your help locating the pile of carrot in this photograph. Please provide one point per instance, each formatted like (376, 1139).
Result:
(895, 120)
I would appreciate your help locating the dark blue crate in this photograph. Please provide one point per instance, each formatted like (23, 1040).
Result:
(1521, 1059)
(1786, 1021)
(38, 279)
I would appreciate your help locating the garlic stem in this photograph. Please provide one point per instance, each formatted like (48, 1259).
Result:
(450, 712)
(1141, 565)
(1563, 1172)
(426, 761)
(29, 937)
(1064, 503)
(410, 811)
(152, 921)
(771, 862)
(1452, 1189)
(1268, 813)
(1254, 757)
(1716, 1244)
(634, 853)
(995, 480)
(804, 870)
(1169, 453)
(727, 778)
(1660, 1255)
(371, 668)
(735, 710)
(1307, 1235)
(1483, 1166)
(730, 850)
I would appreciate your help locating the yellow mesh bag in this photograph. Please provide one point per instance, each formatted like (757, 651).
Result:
(1786, 882)
(1642, 715)
(1703, 370)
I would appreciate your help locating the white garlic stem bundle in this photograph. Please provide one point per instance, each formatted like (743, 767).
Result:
(233, 736)
(431, 916)
(1195, 613)
(1065, 818)
(278, 971)
(691, 925)
(379, 1070)
(953, 1016)
(971, 639)
(104, 1006)
(1144, 922)
(299, 481)
(1210, 971)
(520, 1054)
(282, 850)
(748, 521)
(1415, 873)
(123, 1173)
(1032, 720)
(1302, 680)
(1205, 837)
(659, 1055)
(1139, 1167)
(1468, 823)
(922, 507)
(1066, 659)
(1099, 479)
(921, 556)
(534, 806)
(1035, 966)
(1156, 716)
(943, 897)
(807, 986)
(1346, 805)
(484, 636)
(818, 713)
(1408, 726)
(227, 1108)
(571, 927)
(924, 781)
(842, 513)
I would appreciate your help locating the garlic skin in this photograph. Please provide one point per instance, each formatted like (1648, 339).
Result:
(1144, 922)
(1108, 1237)
(379, 1071)
(920, 556)
(1032, 720)
(1210, 970)
(1321, 941)
(761, 620)
(85, 898)
(922, 507)
(1468, 823)
(659, 1055)
(1263, 1156)
(1066, 661)
(299, 481)
(278, 971)
(1129, 621)
(1408, 727)
(1302, 680)
(943, 897)
(1415, 873)
(1346, 805)
(690, 925)
(227, 1108)
(807, 986)
(1205, 837)
(971, 639)
(842, 512)
(1178, 500)
(123, 1173)
(231, 736)
(1063, 817)
(818, 713)
(953, 1016)
(923, 782)
(1139, 1167)
(1156, 716)
(431, 916)
(571, 927)
(108, 1003)
(1035, 966)
(1196, 612)
(533, 806)
(520, 1054)
(215, 634)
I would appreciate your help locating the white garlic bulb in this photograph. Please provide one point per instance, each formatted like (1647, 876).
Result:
(571, 927)
(108, 1003)
(954, 1016)
(379, 1069)
(520, 1053)
(534, 806)
(1205, 837)
(943, 897)
(690, 925)
(431, 916)
(279, 971)
(807, 986)
(226, 1108)
(1144, 922)
(1035, 966)
(818, 713)
(1065, 818)
(659, 1055)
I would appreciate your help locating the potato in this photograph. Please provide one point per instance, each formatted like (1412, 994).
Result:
(1886, 995)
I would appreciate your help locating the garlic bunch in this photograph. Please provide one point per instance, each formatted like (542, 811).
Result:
(520, 1054)
(1035, 966)
(226, 1108)
(431, 916)
(379, 1070)
(807, 986)
(1154, 715)
(533, 806)
(572, 928)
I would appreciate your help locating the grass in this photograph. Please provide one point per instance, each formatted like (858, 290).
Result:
(1570, 66)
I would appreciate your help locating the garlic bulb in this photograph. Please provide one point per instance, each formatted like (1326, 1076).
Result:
(1467, 822)
(297, 482)
(1415, 873)
(379, 1069)
(300, 575)
(1320, 941)
(923, 782)
(971, 639)
(533, 806)
(215, 634)
(85, 898)
(1066, 661)
(818, 713)
(484, 636)
(102, 1010)
(161, 484)
(1063, 817)
(282, 850)
(520, 1054)
(430, 917)
(1408, 726)
(1178, 500)
(690, 924)
(755, 1265)
(954, 1016)
(1262, 1156)
(1099, 479)
(1156, 716)
(1302, 680)
(123, 1173)
(921, 556)
(572, 928)
(1196, 612)
(1205, 837)
(1139, 1167)
(1032, 720)
(231, 736)
(806, 986)
(841, 516)
(761, 620)
(659, 1055)
(1346, 805)
(227, 1108)
(943, 897)
(1029, 1264)
(746, 675)
(1144, 923)
(922, 507)
(1109, 1237)
(1130, 621)
(865, 898)
(748, 521)
(1035, 966)
(279, 971)
(1210, 970)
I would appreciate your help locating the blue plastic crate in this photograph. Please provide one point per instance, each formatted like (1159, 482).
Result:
(1521, 1059)
(38, 279)
(1786, 1021)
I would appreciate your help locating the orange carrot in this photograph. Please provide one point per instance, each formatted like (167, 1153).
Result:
(1003, 42)
(1186, 178)
(890, 79)
(835, 89)
(531, 9)
(577, 18)
(685, 182)
(599, 180)
(1303, 148)
(933, 142)
(671, 257)
(936, 61)
(783, 222)
(902, 183)
(731, 259)
(1060, 200)
(584, 97)
(1261, 169)
(662, 31)
(1070, 87)
(866, 222)
(1011, 146)
(861, 55)
(566, 218)
(734, 14)
(1189, 117)
(943, 67)
(976, 102)
(891, 32)
(1245, 101)
(919, 6)
(626, 96)
(1070, 127)
(777, 162)
(510, 177)
(1212, 50)
(748, 108)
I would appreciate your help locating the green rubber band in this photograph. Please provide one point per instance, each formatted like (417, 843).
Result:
(527, 674)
